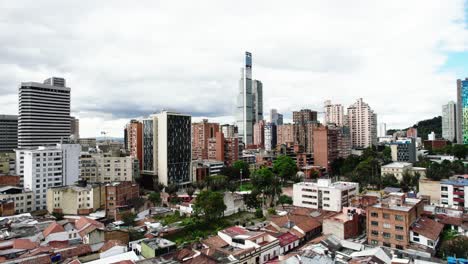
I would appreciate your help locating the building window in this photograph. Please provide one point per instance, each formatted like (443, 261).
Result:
(387, 235)
(374, 214)
(374, 223)
(375, 233)
(399, 228)
(444, 188)
(374, 242)
(399, 247)
(430, 243)
(386, 216)
(416, 239)
(399, 217)
(398, 237)
(387, 225)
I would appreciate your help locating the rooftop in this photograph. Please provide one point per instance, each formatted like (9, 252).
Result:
(428, 228)
(397, 165)
(457, 182)
(156, 243)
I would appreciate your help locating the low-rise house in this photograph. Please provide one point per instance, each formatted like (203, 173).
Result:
(287, 241)
(304, 227)
(398, 168)
(344, 225)
(452, 192)
(91, 231)
(7, 207)
(112, 248)
(56, 232)
(234, 203)
(426, 232)
(23, 198)
(152, 248)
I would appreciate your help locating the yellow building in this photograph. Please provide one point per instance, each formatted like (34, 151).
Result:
(76, 199)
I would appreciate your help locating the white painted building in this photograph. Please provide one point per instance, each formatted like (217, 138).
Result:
(362, 123)
(324, 194)
(46, 167)
(449, 121)
(452, 193)
(426, 232)
(398, 168)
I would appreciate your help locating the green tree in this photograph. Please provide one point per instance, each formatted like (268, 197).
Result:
(217, 182)
(190, 191)
(458, 167)
(210, 205)
(387, 155)
(128, 218)
(285, 167)
(389, 180)
(200, 185)
(266, 183)
(459, 151)
(58, 216)
(455, 247)
(155, 198)
(244, 166)
(284, 199)
(251, 200)
(172, 189)
(231, 186)
(406, 183)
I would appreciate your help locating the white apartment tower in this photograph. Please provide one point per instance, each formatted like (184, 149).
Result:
(334, 113)
(449, 121)
(362, 122)
(44, 113)
(46, 167)
(382, 130)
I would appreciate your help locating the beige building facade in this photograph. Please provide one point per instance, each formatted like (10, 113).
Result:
(76, 199)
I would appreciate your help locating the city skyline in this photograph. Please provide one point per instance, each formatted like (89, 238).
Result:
(149, 72)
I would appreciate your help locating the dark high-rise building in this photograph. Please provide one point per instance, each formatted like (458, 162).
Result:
(462, 111)
(8, 133)
(249, 102)
(305, 121)
(44, 113)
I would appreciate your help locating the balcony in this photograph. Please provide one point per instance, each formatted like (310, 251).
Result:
(460, 200)
(460, 193)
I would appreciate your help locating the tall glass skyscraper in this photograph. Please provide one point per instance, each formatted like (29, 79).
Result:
(462, 111)
(249, 102)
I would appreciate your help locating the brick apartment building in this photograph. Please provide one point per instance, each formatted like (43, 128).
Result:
(135, 140)
(325, 146)
(202, 132)
(223, 149)
(117, 196)
(389, 222)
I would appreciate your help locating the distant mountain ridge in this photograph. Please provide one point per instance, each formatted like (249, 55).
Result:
(424, 127)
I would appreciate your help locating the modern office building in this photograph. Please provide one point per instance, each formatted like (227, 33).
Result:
(8, 133)
(167, 147)
(201, 133)
(257, 94)
(46, 167)
(44, 113)
(74, 128)
(449, 121)
(362, 123)
(249, 102)
(324, 194)
(270, 136)
(259, 134)
(389, 222)
(275, 117)
(134, 136)
(462, 111)
(404, 150)
(334, 114)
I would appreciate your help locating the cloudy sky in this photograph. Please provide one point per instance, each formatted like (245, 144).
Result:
(127, 59)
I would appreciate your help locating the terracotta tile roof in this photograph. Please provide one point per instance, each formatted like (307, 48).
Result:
(301, 211)
(215, 242)
(84, 221)
(287, 238)
(183, 254)
(149, 236)
(310, 225)
(21, 243)
(428, 228)
(123, 262)
(234, 231)
(59, 244)
(305, 223)
(297, 233)
(448, 220)
(270, 227)
(110, 244)
(79, 250)
(53, 228)
(201, 259)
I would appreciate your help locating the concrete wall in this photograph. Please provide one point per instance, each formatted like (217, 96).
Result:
(431, 189)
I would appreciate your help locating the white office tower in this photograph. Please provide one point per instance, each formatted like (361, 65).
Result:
(44, 113)
(49, 166)
(382, 132)
(449, 121)
(334, 113)
(362, 123)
